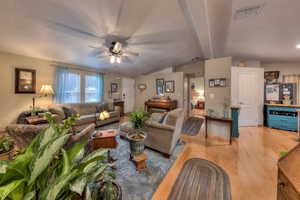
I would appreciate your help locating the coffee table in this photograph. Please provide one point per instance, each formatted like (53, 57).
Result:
(105, 139)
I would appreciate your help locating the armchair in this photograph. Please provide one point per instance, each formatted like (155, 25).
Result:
(164, 136)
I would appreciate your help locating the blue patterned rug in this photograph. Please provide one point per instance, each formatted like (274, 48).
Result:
(140, 185)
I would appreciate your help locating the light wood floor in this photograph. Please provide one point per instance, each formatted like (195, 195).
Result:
(250, 162)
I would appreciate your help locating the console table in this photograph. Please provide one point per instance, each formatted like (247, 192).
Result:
(121, 105)
(224, 120)
(160, 105)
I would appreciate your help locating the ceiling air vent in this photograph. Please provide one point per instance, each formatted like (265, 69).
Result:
(248, 11)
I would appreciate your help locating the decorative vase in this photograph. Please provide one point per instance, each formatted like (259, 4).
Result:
(137, 142)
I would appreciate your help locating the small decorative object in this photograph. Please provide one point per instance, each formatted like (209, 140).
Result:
(217, 82)
(160, 83)
(6, 148)
(104, 115)
(25, 81)
(142, 87)
(243, 64)
(286, 100)
(170, 86)
(114, 87)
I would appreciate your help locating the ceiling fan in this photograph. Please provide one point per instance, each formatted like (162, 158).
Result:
(115, 52)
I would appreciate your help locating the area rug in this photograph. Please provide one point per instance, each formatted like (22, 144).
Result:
(201, 179)
(140, 185)
(192, 126)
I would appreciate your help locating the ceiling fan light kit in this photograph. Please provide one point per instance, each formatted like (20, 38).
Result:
(116, 52)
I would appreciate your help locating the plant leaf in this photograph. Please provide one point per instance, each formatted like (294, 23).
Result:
(47, 136)
(76, 152)
(79, 184)
(43, 158)
(30, 195)
(66, 163)
(5, 190)
(52, 192)
(94, 154)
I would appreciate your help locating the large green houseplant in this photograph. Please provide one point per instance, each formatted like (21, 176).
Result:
(46, 171)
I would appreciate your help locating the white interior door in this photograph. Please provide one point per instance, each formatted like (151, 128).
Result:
(248, 94)
(128, 94)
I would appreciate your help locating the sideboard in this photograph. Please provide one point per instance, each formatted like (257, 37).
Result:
(281, 116)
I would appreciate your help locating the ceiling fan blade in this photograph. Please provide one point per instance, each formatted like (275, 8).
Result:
(67, 29)
(103, 55)
(127, 60)
(130, 54)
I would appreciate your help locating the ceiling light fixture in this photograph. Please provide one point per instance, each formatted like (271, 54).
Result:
(119, 60)
(112, 59)
(298, 46)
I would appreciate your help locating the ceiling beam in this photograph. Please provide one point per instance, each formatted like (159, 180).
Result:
(210, 21)
(197, 16)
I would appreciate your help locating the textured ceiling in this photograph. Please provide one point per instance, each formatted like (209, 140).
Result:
(165, 33)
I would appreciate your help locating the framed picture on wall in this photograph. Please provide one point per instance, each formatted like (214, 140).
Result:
(160, 86)
(211, 82)
(25, 81)
(170, 86)
(114, 87)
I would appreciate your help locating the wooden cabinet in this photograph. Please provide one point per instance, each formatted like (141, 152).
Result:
(160, 105)
(281, 116)
(288, 186)
(121, 105)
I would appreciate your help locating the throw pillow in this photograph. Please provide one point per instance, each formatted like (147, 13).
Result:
(57, 110)
(69, 111)
(162, 118)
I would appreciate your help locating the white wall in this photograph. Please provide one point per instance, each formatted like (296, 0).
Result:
(284, 68)
(216, 98)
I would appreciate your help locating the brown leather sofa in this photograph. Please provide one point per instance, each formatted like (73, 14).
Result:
(89, 114)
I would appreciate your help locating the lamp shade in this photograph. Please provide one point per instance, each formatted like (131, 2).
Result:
(46, 90)
(104, 115)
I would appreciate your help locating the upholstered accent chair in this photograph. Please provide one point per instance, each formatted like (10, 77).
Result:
(163, 136)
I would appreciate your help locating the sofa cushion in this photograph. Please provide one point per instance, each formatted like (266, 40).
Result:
(158, 117)
(111, 114)
(69, 111)
(105, 106)
(57, 110)
(85, 119)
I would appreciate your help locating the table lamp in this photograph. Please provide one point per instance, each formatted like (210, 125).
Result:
(46, 90)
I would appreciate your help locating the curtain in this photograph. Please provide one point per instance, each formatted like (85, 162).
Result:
(100, 84)
(93, 87)
(294, 78)
(67, 86)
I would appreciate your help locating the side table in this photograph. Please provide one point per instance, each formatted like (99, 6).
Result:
(105, 139)
(140, 161)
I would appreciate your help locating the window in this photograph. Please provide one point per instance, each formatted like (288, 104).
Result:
(93, 88)
(78, 86)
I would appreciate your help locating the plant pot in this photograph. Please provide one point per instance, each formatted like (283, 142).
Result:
(7, 155)
(137, 142)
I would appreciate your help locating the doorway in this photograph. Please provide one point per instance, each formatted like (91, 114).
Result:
(128, 94)
(247, 92)
(195, 101)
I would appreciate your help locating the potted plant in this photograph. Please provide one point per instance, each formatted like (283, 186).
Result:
(137, 137)
(46, 171)
(6, 148)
